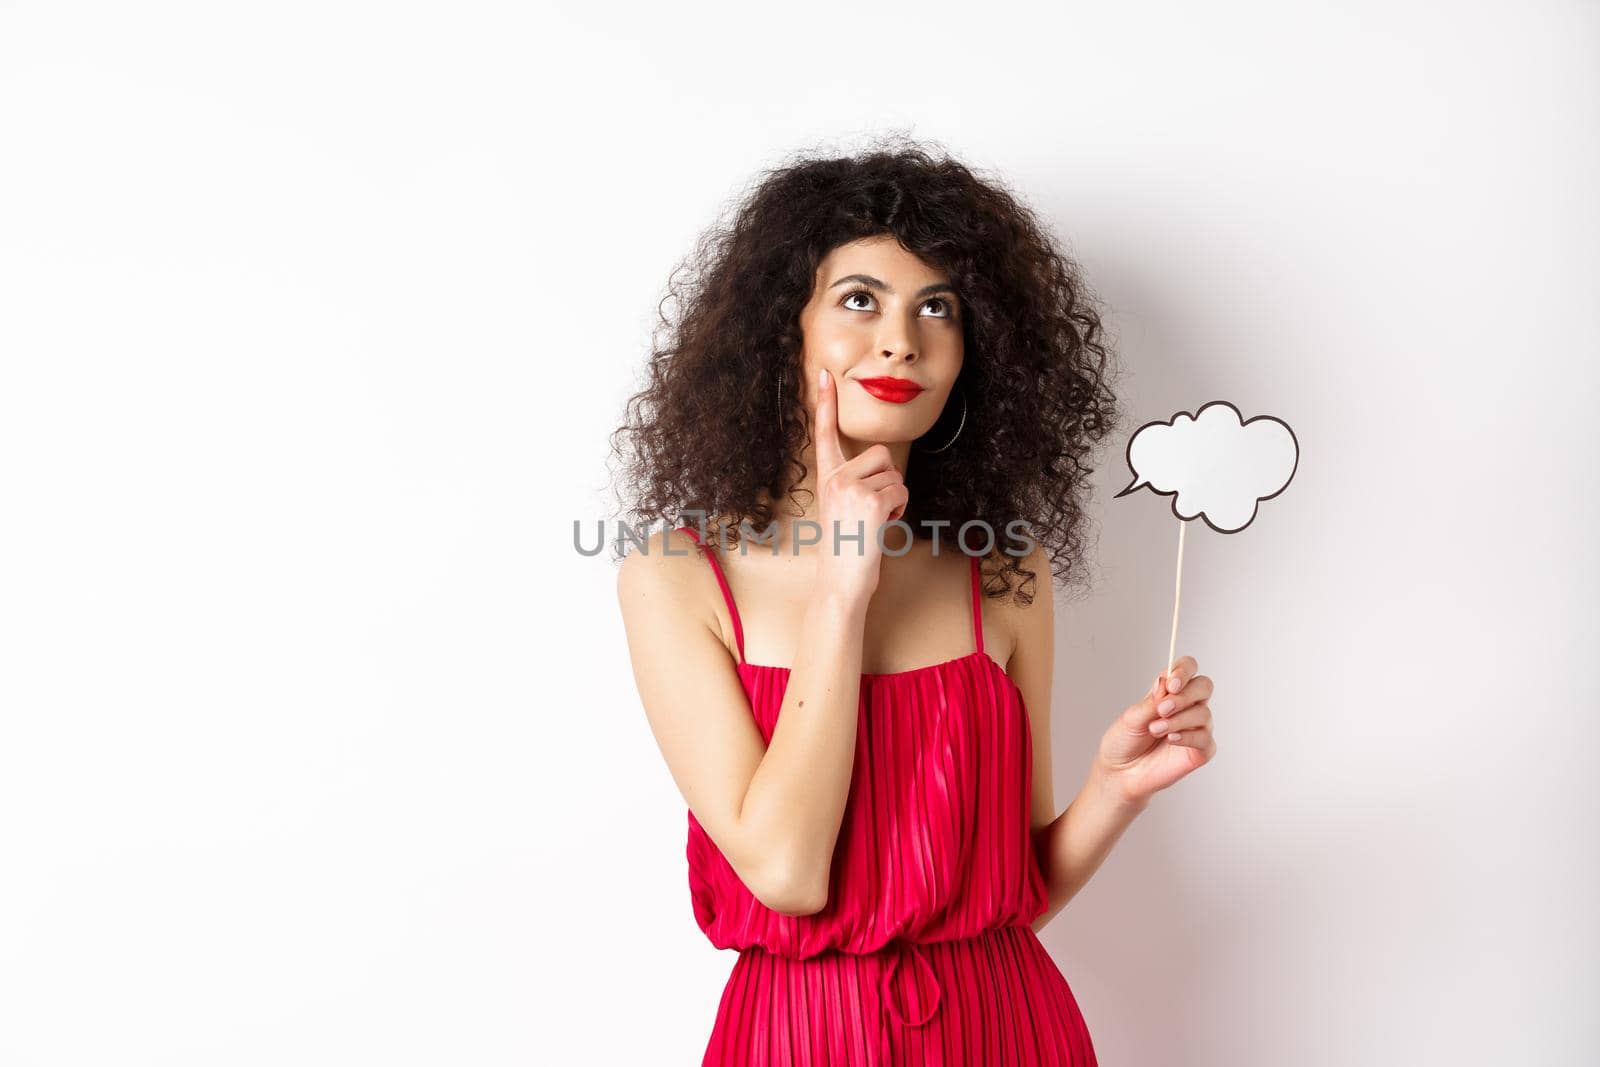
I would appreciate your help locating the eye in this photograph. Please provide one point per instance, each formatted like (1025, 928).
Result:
(949, 308)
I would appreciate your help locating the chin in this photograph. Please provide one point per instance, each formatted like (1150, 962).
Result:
(880, 431)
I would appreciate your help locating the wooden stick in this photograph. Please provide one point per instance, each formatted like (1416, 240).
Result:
(1177, 598)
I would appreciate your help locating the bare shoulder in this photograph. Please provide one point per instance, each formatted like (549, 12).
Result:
(1028, 625)
(663, 577)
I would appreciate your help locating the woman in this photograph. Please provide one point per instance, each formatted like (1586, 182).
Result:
(888, 369)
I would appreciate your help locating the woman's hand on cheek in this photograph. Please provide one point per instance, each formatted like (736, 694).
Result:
(1161, 738)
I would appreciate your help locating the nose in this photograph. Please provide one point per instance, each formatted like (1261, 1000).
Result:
(897, 339)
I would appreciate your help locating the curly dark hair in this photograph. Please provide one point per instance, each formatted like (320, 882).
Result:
(705, 436)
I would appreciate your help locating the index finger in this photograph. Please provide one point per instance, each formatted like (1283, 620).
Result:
(825, 427)
(1180, 672)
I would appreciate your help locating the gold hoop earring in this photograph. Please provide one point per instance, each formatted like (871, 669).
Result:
(959, 426)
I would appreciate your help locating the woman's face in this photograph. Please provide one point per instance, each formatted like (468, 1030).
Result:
(879, 312)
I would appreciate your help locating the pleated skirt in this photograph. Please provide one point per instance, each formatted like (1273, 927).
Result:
(994, 1000)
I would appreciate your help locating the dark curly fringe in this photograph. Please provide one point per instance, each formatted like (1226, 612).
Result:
(705, 436)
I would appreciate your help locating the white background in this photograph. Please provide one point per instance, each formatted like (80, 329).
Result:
(320, 743)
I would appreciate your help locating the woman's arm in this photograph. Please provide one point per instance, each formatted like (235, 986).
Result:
(773, 810)
(1074, 844)
(1071, 845)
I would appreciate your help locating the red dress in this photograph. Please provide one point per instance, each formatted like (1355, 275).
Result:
(924, 953)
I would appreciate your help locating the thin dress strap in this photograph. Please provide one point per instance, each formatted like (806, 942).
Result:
(727, 594)
(977, 607)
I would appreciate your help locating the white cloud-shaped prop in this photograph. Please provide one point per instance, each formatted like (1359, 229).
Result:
(1214, 464)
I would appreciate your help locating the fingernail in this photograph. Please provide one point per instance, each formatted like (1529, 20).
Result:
(822, 378)
(1166, 706)
(1174, 684)
(1160, 726)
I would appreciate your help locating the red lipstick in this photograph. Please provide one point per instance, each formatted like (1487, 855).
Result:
(894, 390)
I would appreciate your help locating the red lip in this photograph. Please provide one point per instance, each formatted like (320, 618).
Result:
(894, 390)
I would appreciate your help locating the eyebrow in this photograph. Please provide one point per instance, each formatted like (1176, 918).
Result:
(872, 283)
